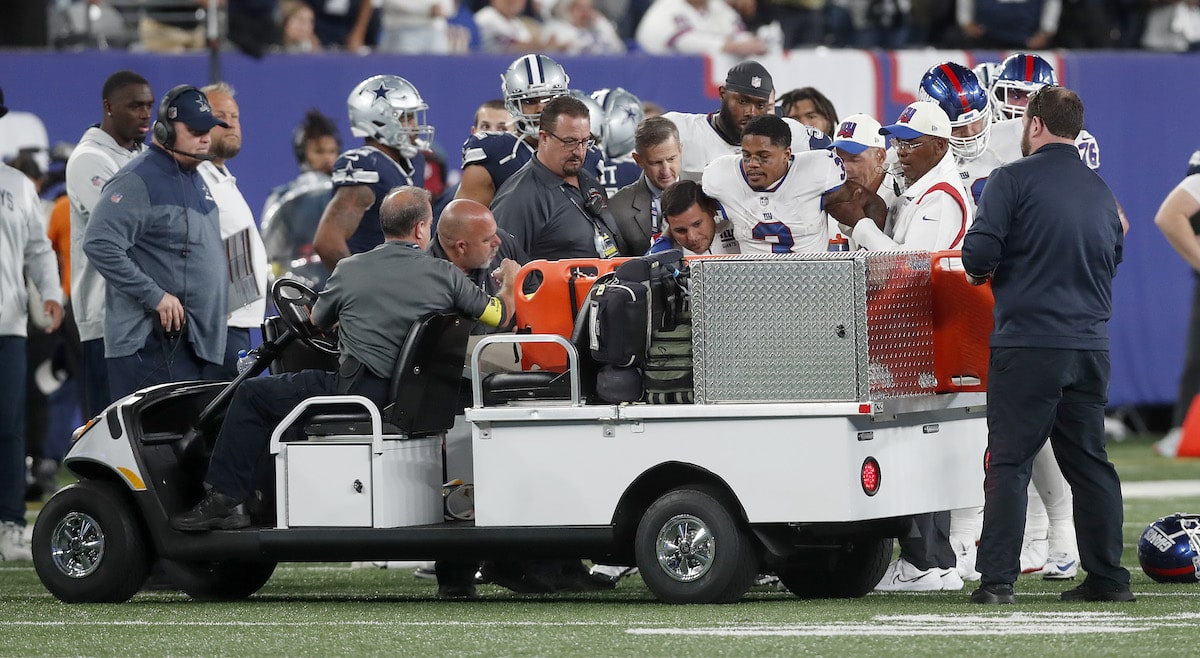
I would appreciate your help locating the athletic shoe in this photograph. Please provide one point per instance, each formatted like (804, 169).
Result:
(1084, 593)
(215, 511)
(612, 572)
(426, 573)
(902, 576)
(993, 594)
(965, 552)
(12, 542)
(1034, 553)
(951, 581)
(765, 579)
(1061, 566)
(1168, 446)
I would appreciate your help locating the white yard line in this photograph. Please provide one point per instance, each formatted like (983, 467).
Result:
(1160, 488)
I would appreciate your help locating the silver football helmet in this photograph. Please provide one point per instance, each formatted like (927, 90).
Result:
(622, 113)
(529, 77)
(389, 108)
(595, 114)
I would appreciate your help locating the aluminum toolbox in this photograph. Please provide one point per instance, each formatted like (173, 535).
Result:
(812, 327)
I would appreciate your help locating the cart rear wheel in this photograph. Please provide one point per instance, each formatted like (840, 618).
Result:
(852, 572)
(691, 549)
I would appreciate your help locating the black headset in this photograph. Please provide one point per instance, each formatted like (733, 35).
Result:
(164, 126)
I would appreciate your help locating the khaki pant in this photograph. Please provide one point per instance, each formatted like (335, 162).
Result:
(159, 37)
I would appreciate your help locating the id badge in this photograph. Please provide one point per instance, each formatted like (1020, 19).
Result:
(605, 246)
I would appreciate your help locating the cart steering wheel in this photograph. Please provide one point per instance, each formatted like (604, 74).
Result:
(295, 301)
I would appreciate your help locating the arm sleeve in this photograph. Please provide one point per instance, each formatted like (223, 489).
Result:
(984, 243)
(1051, 11)
(964, 10)
(114, 228)
(473, 302)
(325, 310)
(40, 261)
(516, 213)
(86, 175)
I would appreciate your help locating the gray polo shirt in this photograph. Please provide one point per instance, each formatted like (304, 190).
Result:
(550, 218)
(378, 295)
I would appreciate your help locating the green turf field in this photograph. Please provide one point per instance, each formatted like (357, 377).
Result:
(331, 609)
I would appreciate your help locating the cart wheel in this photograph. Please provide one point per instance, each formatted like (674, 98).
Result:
(691, 549)
(218, 581)
(88, 545)
(853, 572)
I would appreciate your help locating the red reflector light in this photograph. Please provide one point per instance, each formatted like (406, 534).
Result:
(864, 408)
(870, 476)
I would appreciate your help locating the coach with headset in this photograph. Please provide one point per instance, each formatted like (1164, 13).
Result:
(156, 239)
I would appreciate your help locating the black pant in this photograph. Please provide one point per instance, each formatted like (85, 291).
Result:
(257, 407)
(928, 543)
(1032, 394)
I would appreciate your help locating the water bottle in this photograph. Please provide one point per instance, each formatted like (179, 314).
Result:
(245, 360)
(839, 242)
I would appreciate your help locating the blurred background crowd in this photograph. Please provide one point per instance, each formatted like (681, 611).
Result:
(597, 27)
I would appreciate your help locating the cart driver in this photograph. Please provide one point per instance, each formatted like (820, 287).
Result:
(374, 297)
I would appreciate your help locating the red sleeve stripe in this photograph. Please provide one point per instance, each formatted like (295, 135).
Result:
(962, 206)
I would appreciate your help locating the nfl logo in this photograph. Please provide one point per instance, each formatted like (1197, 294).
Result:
(116, 198)
(847, 130)
(763, 201)
(756, 82)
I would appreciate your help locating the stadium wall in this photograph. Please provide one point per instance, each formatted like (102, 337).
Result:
(1153, 288)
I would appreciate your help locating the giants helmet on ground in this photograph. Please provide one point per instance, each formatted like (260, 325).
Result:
(529, 77)
(1020, 75)
(1169, 549)
(389, 109)
(622, 113)
(957, 91)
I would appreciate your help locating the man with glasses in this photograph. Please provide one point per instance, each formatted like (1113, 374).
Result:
(1049, 349)
(935, 211)
(554, 206)
(746, 94)
(777, 200)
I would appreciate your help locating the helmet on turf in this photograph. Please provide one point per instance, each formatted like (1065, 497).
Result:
(957, 91)
(531, 77)
(1169, 549)
(622, 114)
(1020, 75)
(389, 109)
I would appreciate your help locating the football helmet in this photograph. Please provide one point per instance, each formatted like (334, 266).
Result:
(1020, 75)
(389, 109)
(595, 114)
(987, 73)
(622, 113)
(1169, 549)
(529, 77)
(957, 91)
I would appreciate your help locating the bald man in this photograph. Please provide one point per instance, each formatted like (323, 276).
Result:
(468, 237)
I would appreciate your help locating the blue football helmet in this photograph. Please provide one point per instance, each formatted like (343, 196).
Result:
(1020, 75)
(1169, 549)
(957, 91)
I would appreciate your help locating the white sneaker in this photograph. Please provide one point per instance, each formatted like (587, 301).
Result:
(1168, 446)
(902, 576)
(1061, 566)
(1034, 553)
(951, 581)
(12, 542)
(965, 551)
(389, 564)
(613, 571)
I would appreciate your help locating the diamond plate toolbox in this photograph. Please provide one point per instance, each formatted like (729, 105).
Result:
(812, 327)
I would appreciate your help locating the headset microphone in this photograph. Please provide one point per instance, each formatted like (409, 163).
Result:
(206, 157)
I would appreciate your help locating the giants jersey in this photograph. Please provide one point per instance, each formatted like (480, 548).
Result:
(723, 244)
(502, 154)
(932, 214)
(368, 165)
(1004, 146)
(702, 143)
(789, 216)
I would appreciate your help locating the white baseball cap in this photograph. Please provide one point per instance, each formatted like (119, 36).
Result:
(920, 118)
(857, 133)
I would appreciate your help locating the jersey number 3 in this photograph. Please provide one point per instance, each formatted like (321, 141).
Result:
(778, 234)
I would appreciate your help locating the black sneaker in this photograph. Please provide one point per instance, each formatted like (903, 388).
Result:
(215, 512)
(993, 594)
(1086, 593)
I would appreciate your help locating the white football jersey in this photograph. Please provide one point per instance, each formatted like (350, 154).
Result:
(788, 217)
(702, 143)
(1004, 146)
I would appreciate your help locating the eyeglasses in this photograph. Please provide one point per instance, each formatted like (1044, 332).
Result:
(902, 146)
(1034, 108)
(571, 143)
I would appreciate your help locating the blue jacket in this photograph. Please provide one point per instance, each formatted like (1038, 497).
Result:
(1047, 230)
(156, 230)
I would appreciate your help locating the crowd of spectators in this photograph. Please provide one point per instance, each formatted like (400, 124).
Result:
(740, 27)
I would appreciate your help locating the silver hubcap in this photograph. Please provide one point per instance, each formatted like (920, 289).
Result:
(685, 548)
(77, 545)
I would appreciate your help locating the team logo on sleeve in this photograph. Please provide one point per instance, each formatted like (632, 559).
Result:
(97, 181)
